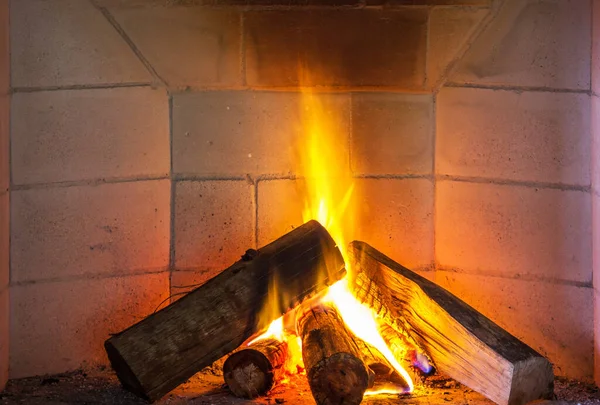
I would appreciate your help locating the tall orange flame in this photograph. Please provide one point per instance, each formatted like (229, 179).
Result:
(327, 186)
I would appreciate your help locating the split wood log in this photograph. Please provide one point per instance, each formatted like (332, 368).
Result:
(252, 371)
(336, 372)
(383, 371)
(413, 359)
(162, 351)
(463, 343)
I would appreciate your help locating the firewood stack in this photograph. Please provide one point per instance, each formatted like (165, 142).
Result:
(425, 327)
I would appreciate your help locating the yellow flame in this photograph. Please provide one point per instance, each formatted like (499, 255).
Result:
(361, 320)
(274, 331)
(327, 188)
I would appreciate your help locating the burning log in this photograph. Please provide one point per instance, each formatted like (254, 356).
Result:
(334, 366)
(162, 351)
(464, 344)
(381, 369)
(252, 371)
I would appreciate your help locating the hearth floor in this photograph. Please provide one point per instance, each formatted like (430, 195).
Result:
(100, 386)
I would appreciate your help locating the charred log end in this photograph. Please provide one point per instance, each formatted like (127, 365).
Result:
(248, 374)
(340, 379)
(124, 373)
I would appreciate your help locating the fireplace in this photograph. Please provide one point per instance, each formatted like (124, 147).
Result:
(152, 142)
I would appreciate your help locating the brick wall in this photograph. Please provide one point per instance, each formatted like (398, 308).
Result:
(151, 144)
(4, 193)
(595, 108)
(513, 202)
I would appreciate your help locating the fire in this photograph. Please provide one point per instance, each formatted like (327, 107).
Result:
(328, 187)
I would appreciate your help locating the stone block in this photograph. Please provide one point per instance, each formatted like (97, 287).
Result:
(538, 43)
(4, 143)
(65, 43)
(392, 133)
(330, 44)
(528, 136)
(450, 28)
(75, 135)
(595, 143)
(195, 46)
(4, 336)
(514, 231)
(396, 217)
(107, 229)
(61, 326)
(554, 319)
(254, 132)
(596, 46)
(4, 240)
(280, 206)
(214, 224)
(4, 49)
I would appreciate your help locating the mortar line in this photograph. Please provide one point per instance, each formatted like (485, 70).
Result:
(519, 183)
(172, 195)
(243, 48)
(262, 177)
(91, 276)
(433, 173)
(393, 176)
(99, 86)
(109, 17)
(517, 89)
(351, 134)
(525, 277)
(426, 77)
(87, 182)
(255, 202)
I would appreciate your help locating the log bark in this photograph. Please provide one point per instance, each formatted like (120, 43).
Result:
(463, 343)
(162, 351)
(251, 372)
(336, 372)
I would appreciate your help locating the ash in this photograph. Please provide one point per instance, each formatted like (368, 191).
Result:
(100, 386)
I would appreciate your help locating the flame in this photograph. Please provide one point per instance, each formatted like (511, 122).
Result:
(361, 320)
(328, 188)
(275, 331)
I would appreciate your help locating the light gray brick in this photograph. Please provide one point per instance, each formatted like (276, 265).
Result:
(253, 132)
(514, 231)
(396, 216)
(280, 205)
(214, 224)
(450, 28)
(68, 42)
(542, 43)
(392, 133)
(61, 326)
(529, 136)
(195, 46)
(89, 230)
(89, 134)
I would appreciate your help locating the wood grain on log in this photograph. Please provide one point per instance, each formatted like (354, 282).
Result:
(336, 372)
(252, 371)
(162, 351)
(463, 343)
